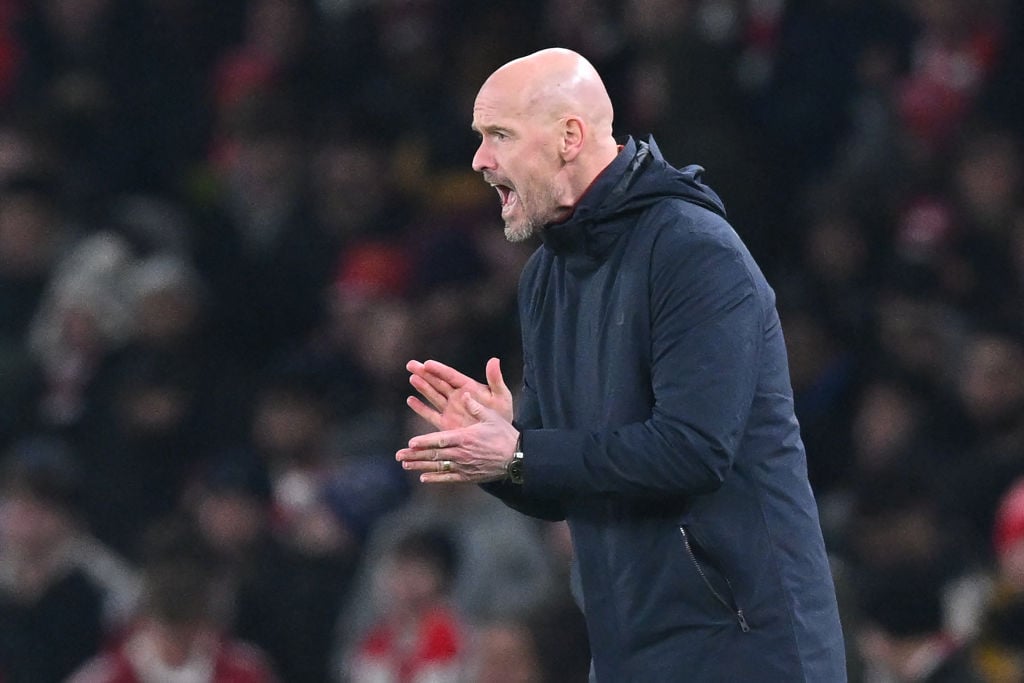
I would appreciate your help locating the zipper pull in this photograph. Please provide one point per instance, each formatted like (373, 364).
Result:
(744, 626)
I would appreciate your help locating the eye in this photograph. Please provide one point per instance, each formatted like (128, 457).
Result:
(499, 135)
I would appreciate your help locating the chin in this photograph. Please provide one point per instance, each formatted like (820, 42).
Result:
(518, 233)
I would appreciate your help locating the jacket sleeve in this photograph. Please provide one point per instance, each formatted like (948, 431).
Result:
(513, 495)
(707, 331)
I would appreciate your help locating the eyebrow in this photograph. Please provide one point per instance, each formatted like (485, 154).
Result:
(490, 128)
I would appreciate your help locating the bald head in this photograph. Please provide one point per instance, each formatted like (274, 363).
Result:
(555, 83)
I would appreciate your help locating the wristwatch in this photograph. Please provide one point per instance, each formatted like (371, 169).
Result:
(514, 467)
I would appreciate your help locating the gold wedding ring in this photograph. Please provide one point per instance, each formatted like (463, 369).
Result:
(446, 465)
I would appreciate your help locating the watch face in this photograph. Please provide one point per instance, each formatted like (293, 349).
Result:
(515, 471)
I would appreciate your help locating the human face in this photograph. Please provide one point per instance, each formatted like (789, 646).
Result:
(518, 157)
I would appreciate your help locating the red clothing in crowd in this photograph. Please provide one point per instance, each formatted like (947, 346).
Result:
(429, 652)
(133, 662)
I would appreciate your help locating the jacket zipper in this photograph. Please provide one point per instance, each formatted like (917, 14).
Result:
(744, 626)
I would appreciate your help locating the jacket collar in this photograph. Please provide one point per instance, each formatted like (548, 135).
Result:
(584, 234)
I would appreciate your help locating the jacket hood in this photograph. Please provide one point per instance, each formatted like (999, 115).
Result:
(638, 177)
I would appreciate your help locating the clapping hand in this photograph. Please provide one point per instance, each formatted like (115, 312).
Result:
(440, 384)
(475, 438)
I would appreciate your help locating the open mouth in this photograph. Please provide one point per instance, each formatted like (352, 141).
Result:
(507, 195)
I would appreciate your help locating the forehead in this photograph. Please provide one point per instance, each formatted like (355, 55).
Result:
(498, 103)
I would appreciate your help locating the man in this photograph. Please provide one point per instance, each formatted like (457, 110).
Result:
(656, 413)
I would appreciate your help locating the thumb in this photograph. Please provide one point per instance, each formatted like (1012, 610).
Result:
(495, 381)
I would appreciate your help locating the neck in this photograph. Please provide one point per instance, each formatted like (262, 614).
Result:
(590, 167)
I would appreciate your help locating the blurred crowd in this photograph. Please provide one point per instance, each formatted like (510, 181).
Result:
(226, 226)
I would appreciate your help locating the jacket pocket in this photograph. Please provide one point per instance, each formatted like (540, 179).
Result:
(702, 563)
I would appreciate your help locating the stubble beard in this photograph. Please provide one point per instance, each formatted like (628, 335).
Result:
(519, 231)
(529, 224)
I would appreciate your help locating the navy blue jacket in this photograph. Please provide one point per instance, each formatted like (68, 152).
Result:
(657, 418)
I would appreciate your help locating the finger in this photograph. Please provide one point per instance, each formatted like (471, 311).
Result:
(424, 411)
(429, 372)
(430, 392)
(447, 439)
(443, 477)
(494, 378)
(424, 466)
(427, 455)
(448, 375)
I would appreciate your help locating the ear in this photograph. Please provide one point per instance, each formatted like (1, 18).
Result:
(573, 132)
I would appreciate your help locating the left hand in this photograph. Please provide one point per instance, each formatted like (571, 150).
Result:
(441, 385)
(478, 453)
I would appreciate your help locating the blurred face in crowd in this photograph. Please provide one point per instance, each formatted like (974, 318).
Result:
(288, 425)
(29, 237)
(414, 584)
(231, 521)
(992, 383)
(988, 177)
(77, 21)
(29, 526)
(885, 421)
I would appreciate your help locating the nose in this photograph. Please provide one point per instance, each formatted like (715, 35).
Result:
(483, 159)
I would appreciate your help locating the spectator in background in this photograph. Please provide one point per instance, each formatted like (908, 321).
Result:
(902, 636)
(280, 54)
(285, 599)
(81, 322)
(179, 633)
(265, 259)
(895, 522)
(370, 323)
(953, 55)
(987, 177)
(142, 447)
(557, 626)
(915, 333)
(61, 592)
(999, 650)
(32, 236)
(418, 637)
(171, 309)
(354, 190)
(325, 500)
(96, 74)
(825, 382)
(839, 266)
(452, 318)
(503, 570)
(990, 393)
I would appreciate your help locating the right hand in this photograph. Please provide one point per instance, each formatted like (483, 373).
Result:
(442, 385)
